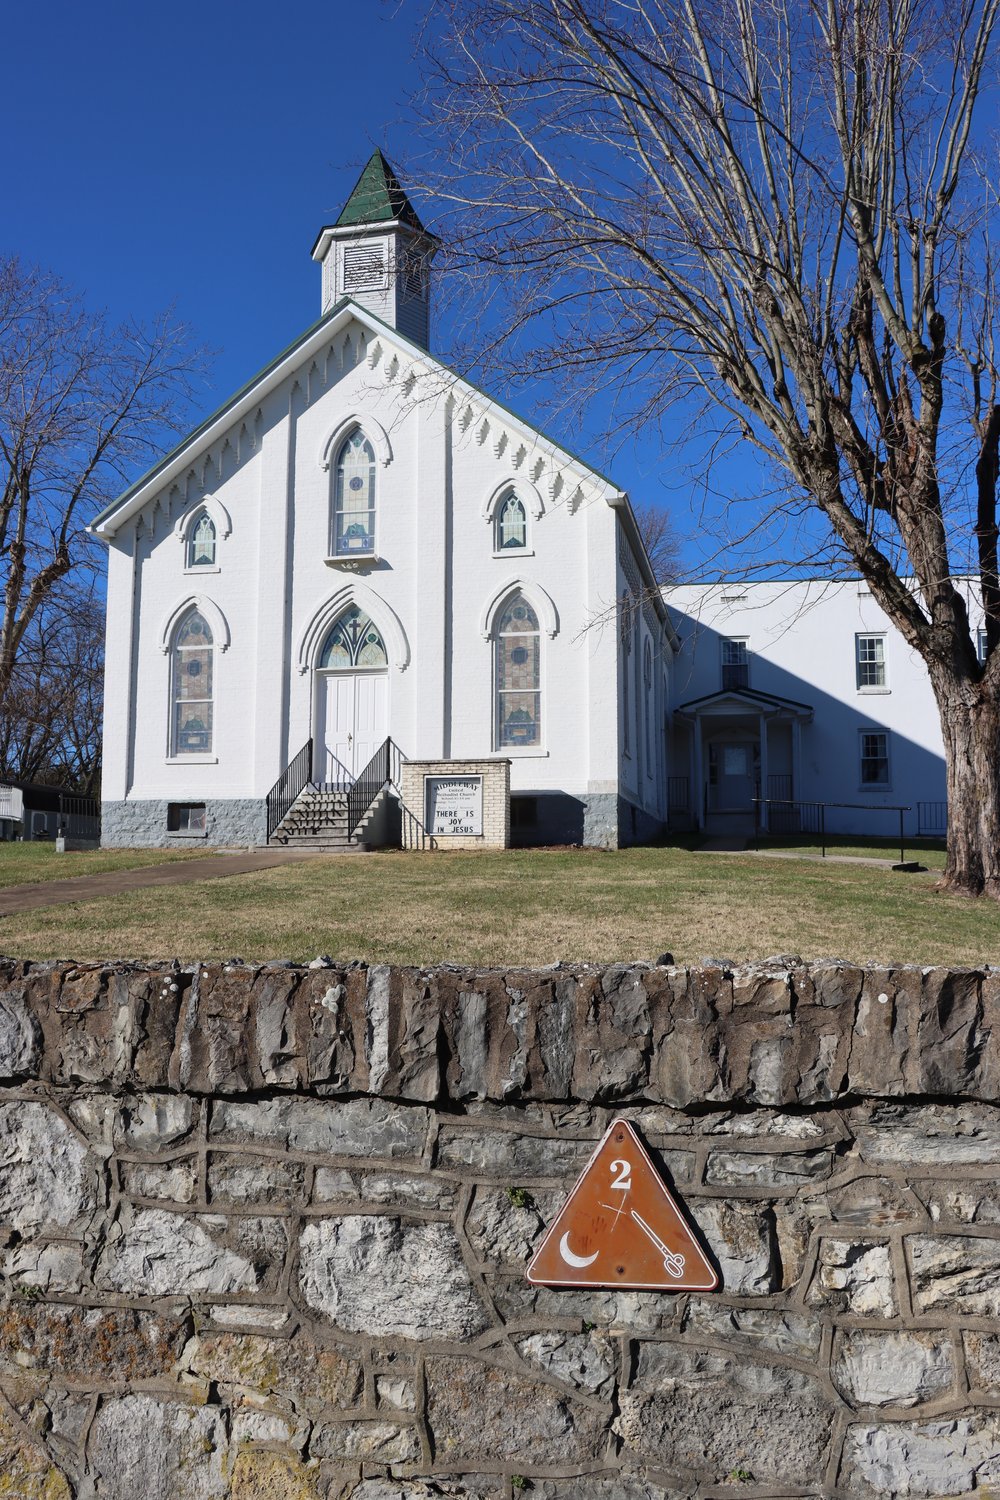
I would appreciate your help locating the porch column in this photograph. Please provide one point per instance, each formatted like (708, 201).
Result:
(763, 769)
(796, 758)
(697, 789)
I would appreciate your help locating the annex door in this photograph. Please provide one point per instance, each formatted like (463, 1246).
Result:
(354, 720)
(735, 776)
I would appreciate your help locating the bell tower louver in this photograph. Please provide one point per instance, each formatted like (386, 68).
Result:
(378, 253)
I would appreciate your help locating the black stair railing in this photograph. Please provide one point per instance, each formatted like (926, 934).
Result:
(293, 779)
(384, 766)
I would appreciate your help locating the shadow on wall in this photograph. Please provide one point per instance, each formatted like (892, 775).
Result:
(830, 756)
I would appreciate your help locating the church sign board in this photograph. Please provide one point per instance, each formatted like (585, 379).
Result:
(621, 1227)
(453, 805)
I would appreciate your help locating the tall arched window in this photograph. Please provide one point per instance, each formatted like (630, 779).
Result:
(191, 687)
(626, 634)
(512, 525)
(519, 675)
(647, 683)
(353, 641)
(354, 498)
(201, 543)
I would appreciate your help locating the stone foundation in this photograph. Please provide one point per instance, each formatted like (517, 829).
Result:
(263, 1232)
(231, 822)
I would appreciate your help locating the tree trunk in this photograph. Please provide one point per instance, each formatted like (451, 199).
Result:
(970, 727)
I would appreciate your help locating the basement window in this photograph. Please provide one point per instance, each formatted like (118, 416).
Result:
(187, 818)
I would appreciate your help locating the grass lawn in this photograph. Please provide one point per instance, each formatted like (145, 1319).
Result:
(527, 907)
(22, 864)
(930, 852)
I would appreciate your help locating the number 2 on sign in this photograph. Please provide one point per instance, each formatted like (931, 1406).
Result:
(623, 1182)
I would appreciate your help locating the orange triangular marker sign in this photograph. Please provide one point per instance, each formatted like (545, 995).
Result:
(620, 1227)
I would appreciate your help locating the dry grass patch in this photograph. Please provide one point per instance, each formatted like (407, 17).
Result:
(527, 907)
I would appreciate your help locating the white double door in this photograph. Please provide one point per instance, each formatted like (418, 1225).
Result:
(353, 719)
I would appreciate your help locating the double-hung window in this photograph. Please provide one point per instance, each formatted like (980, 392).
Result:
(735, 663)
(874, 758)
(869, 656)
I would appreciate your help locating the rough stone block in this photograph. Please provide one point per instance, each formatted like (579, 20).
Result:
(168, 1182)
(512, 1156)
(501, 1231)
(247, 1179)
(20, 1036)
(740, 1236)
(383, 1276)
(929, 1459)
(89, 1343)
(328, 1127)
(26, 1472)
(161, 1254)
(892, 1369)
(955, 1274)
(767, 1169)
(314, 1377)
(516, 1420)
(713, 1413)
(925, 1135)
(143, 1446)
(777, 1329)
(583, 1360)
(854, 1276)
(154, 1122)
(381, 1442)
(48, 1178)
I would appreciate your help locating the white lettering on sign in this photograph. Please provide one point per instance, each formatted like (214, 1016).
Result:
(453, 805)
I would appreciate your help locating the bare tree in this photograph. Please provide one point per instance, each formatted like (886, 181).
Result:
(50, 716)
(773, 206)
(83, 406)
(660, 541)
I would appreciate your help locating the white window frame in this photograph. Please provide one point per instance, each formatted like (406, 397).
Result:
(860, 664)
(190, 566)
(981, 639)
(743, 660)
(874, 786)
(524, 550)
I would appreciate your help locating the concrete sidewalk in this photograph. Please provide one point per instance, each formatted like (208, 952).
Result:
(17, 898)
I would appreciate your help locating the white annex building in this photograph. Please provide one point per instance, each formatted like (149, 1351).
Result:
(800, 692)
(361, 559)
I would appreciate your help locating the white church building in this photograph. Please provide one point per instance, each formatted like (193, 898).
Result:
(362, 560)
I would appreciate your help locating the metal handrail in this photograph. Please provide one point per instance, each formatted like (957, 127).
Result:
(293, 780)
(787, 802)
(383, 767)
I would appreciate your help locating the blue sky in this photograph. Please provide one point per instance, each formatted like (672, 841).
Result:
(187, 155)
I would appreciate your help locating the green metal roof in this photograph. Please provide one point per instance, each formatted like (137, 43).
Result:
(378, 196)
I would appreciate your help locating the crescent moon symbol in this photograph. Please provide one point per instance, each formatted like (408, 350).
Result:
(575, 1260)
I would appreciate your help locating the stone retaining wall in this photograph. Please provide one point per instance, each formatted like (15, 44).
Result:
(263, 1233)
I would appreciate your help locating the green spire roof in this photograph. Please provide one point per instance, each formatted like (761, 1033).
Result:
(378, 196)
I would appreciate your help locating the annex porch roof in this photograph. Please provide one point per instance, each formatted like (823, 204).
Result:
(731, 701)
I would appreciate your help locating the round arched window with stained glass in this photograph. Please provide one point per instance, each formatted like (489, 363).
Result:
(354, 498)
(518, 674)
(353, 641)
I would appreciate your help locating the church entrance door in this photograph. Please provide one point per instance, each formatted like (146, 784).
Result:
(354, 715)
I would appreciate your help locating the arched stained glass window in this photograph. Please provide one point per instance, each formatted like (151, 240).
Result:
(201, 544)
(353, 641)
(512, 525)
(519, 685)
(626, 638)
(647, 683)
(354, 498)
(191, 687)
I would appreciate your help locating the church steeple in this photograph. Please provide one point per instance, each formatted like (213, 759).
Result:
(379, 253)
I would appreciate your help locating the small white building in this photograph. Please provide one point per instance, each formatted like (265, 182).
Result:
(800, 691)
(358, 548)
